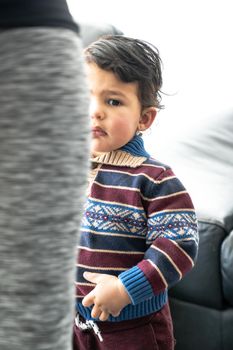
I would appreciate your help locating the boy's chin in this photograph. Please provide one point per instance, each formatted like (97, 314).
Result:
(97, 149)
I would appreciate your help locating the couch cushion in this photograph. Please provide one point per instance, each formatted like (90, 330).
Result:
(198, 327)
(227, 268)
(203, 285)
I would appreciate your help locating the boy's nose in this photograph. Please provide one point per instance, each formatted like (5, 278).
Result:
(97, 115)
(96, 112)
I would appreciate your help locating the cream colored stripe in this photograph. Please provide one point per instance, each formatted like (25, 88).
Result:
(110, 251)
(159, 272)
(162, 197)
(187, 239)
(102, 268)
(117, 203)
(172, 210)
(154, 166)
(183, 251)
(118, 187)
(84, 284)
(143, 174)
(113, 234)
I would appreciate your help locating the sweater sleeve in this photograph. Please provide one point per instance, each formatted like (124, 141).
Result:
(44, 147)
(172, 238)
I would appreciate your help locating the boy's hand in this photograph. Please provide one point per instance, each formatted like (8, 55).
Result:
(109, 295)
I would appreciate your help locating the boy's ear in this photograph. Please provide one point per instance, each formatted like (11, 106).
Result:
(147, 118)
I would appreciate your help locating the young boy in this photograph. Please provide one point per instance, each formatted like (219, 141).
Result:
(139, 230)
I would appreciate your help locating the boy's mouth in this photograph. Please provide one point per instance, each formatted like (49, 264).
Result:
(97, 132)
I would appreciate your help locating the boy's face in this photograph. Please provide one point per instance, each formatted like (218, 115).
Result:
(115, 110)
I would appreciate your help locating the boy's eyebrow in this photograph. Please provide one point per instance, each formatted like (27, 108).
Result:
(113, 92)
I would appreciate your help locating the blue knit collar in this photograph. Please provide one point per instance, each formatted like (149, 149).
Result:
(136, 147)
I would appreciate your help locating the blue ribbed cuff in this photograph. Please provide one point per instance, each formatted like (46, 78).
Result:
(136, 284)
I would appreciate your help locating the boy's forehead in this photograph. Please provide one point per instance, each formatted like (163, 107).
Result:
(97, 73)
(105, 81)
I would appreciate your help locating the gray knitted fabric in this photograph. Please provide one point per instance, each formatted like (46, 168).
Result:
(44, 149)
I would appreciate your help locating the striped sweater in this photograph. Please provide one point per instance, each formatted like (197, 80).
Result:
(139, 224)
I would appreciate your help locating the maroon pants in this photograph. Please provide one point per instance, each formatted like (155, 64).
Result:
(146, 333)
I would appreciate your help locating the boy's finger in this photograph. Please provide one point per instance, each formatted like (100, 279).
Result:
(92, 277)
(115, 314)
(96, 311)
(88, 300)
(104, 316)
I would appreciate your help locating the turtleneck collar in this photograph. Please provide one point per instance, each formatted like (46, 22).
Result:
(136, 147)
(133, 154)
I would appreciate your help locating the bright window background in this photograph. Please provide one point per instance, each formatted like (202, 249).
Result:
(194, 38)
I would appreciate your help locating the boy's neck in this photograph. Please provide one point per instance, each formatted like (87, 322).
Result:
(135, 147)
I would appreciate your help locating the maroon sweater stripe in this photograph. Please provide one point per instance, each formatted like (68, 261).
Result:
(182, 200)
(175, 253)
(126, 197)
(179, 201)
(153, 276)
(152, 171)
(83, 289)
(110, 260)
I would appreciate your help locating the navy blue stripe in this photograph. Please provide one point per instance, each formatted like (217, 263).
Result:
(119, 179)
(165, 266)
(91, 240)
(148, 188)
(80, 270)
(166, 187)
(190, 247)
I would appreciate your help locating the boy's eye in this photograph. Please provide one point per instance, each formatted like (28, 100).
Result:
(113, 102)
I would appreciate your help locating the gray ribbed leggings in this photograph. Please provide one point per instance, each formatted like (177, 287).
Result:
(44, 148)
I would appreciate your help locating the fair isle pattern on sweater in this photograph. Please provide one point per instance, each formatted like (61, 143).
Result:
(139, 224)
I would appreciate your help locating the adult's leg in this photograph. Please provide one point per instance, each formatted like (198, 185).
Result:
(44, 147)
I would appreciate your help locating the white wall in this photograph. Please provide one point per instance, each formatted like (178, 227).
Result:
(195, 41)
